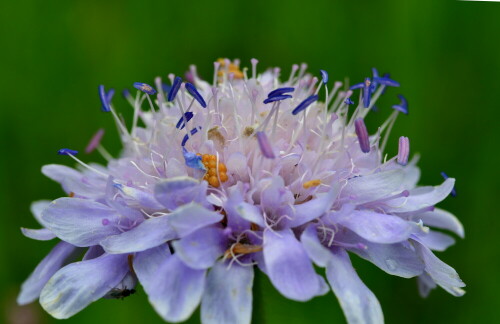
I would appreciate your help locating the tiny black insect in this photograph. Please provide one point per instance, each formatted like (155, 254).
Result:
(118, 293)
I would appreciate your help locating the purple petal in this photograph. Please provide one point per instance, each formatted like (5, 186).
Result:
(442, 274)
(357, 301)
(442, 219)
(179, 191)
(38, 234)
(202, 248)
(77, 285)
(80, 221)
(74, 181)
(318, 253)
(228, 295)
(315, 208)
(37, 208)
(375, 227)
(145, 199)
(191, 217)
(147, 263)
(289, 267)
(250, 213)
(436, 241)
(177, 291)
(31, 288)
(148, 234)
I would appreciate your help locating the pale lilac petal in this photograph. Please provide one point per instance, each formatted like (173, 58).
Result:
(78, 284)
(289, 267)
(442, 274)
(148, 234)
(200, 249)
(80, 222)
(228, 295)
(72, 180)
(38, 234)
(398, 259)
(421, 197)
(441, 219)
(145, 199)
(31, 288)
(318, 253)
(191, 217)
(436, 241)
(373, 187)
(147, 263)
(375, 227)
(177, 291)
(37, 208)
(93, 252)
(250, 213)
(357, 301)
(425, 285)
(316, 207)
(179, 191)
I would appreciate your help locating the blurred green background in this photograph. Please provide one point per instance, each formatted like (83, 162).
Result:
(446, 54)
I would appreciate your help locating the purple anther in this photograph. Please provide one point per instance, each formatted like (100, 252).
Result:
(367, 93)
(104, 99)
(144, 87)
(196, 95)
(165, 87)
(280, 91)
(403, 106)
(386, 81)
(186, 137)
(304, 104)
(404, 150)
(175, 88)
(276, 98)
(66, 151)
(453, 192)
(405, 193)
(324, 76)
(105, 222)
(364, 141)
(193, 160)
(265, 146)
(349, 101)
(187, 117)
(94, 141)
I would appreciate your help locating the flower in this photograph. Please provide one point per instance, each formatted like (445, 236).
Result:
(244, 173)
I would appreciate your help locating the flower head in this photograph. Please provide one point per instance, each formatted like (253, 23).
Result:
(244, 173)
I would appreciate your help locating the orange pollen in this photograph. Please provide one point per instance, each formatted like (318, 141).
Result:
(71, 194)
(311, 183)
(233, 68)
(238, 248)
(216, 173)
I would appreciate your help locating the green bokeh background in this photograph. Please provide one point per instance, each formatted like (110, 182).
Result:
(446, 54)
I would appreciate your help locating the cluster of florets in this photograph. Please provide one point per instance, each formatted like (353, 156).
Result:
(248, 171)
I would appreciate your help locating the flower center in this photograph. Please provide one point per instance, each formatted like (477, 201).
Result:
(216, 173)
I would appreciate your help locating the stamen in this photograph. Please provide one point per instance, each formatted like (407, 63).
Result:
(186, 137)
(403, 106)
(183, 120)
(216, 72)
(239, 248)
(193, 160)
(196, 95)
(254, 62)
(311, 183)
(144, 87)
(304, 104)
(66, 151)
(175, 88)
(280, 91)
(375, 75)
(453, 192)
(386, 81)
(94, 141)
(277, 98)
(324, 76)
(349, 101)
(104, 99)
(295, 67)
(404, 150)
(367, 92)
(265, 146)
(362, 133)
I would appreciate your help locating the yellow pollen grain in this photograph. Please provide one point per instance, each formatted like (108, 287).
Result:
(311, 183)
(212, 176)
